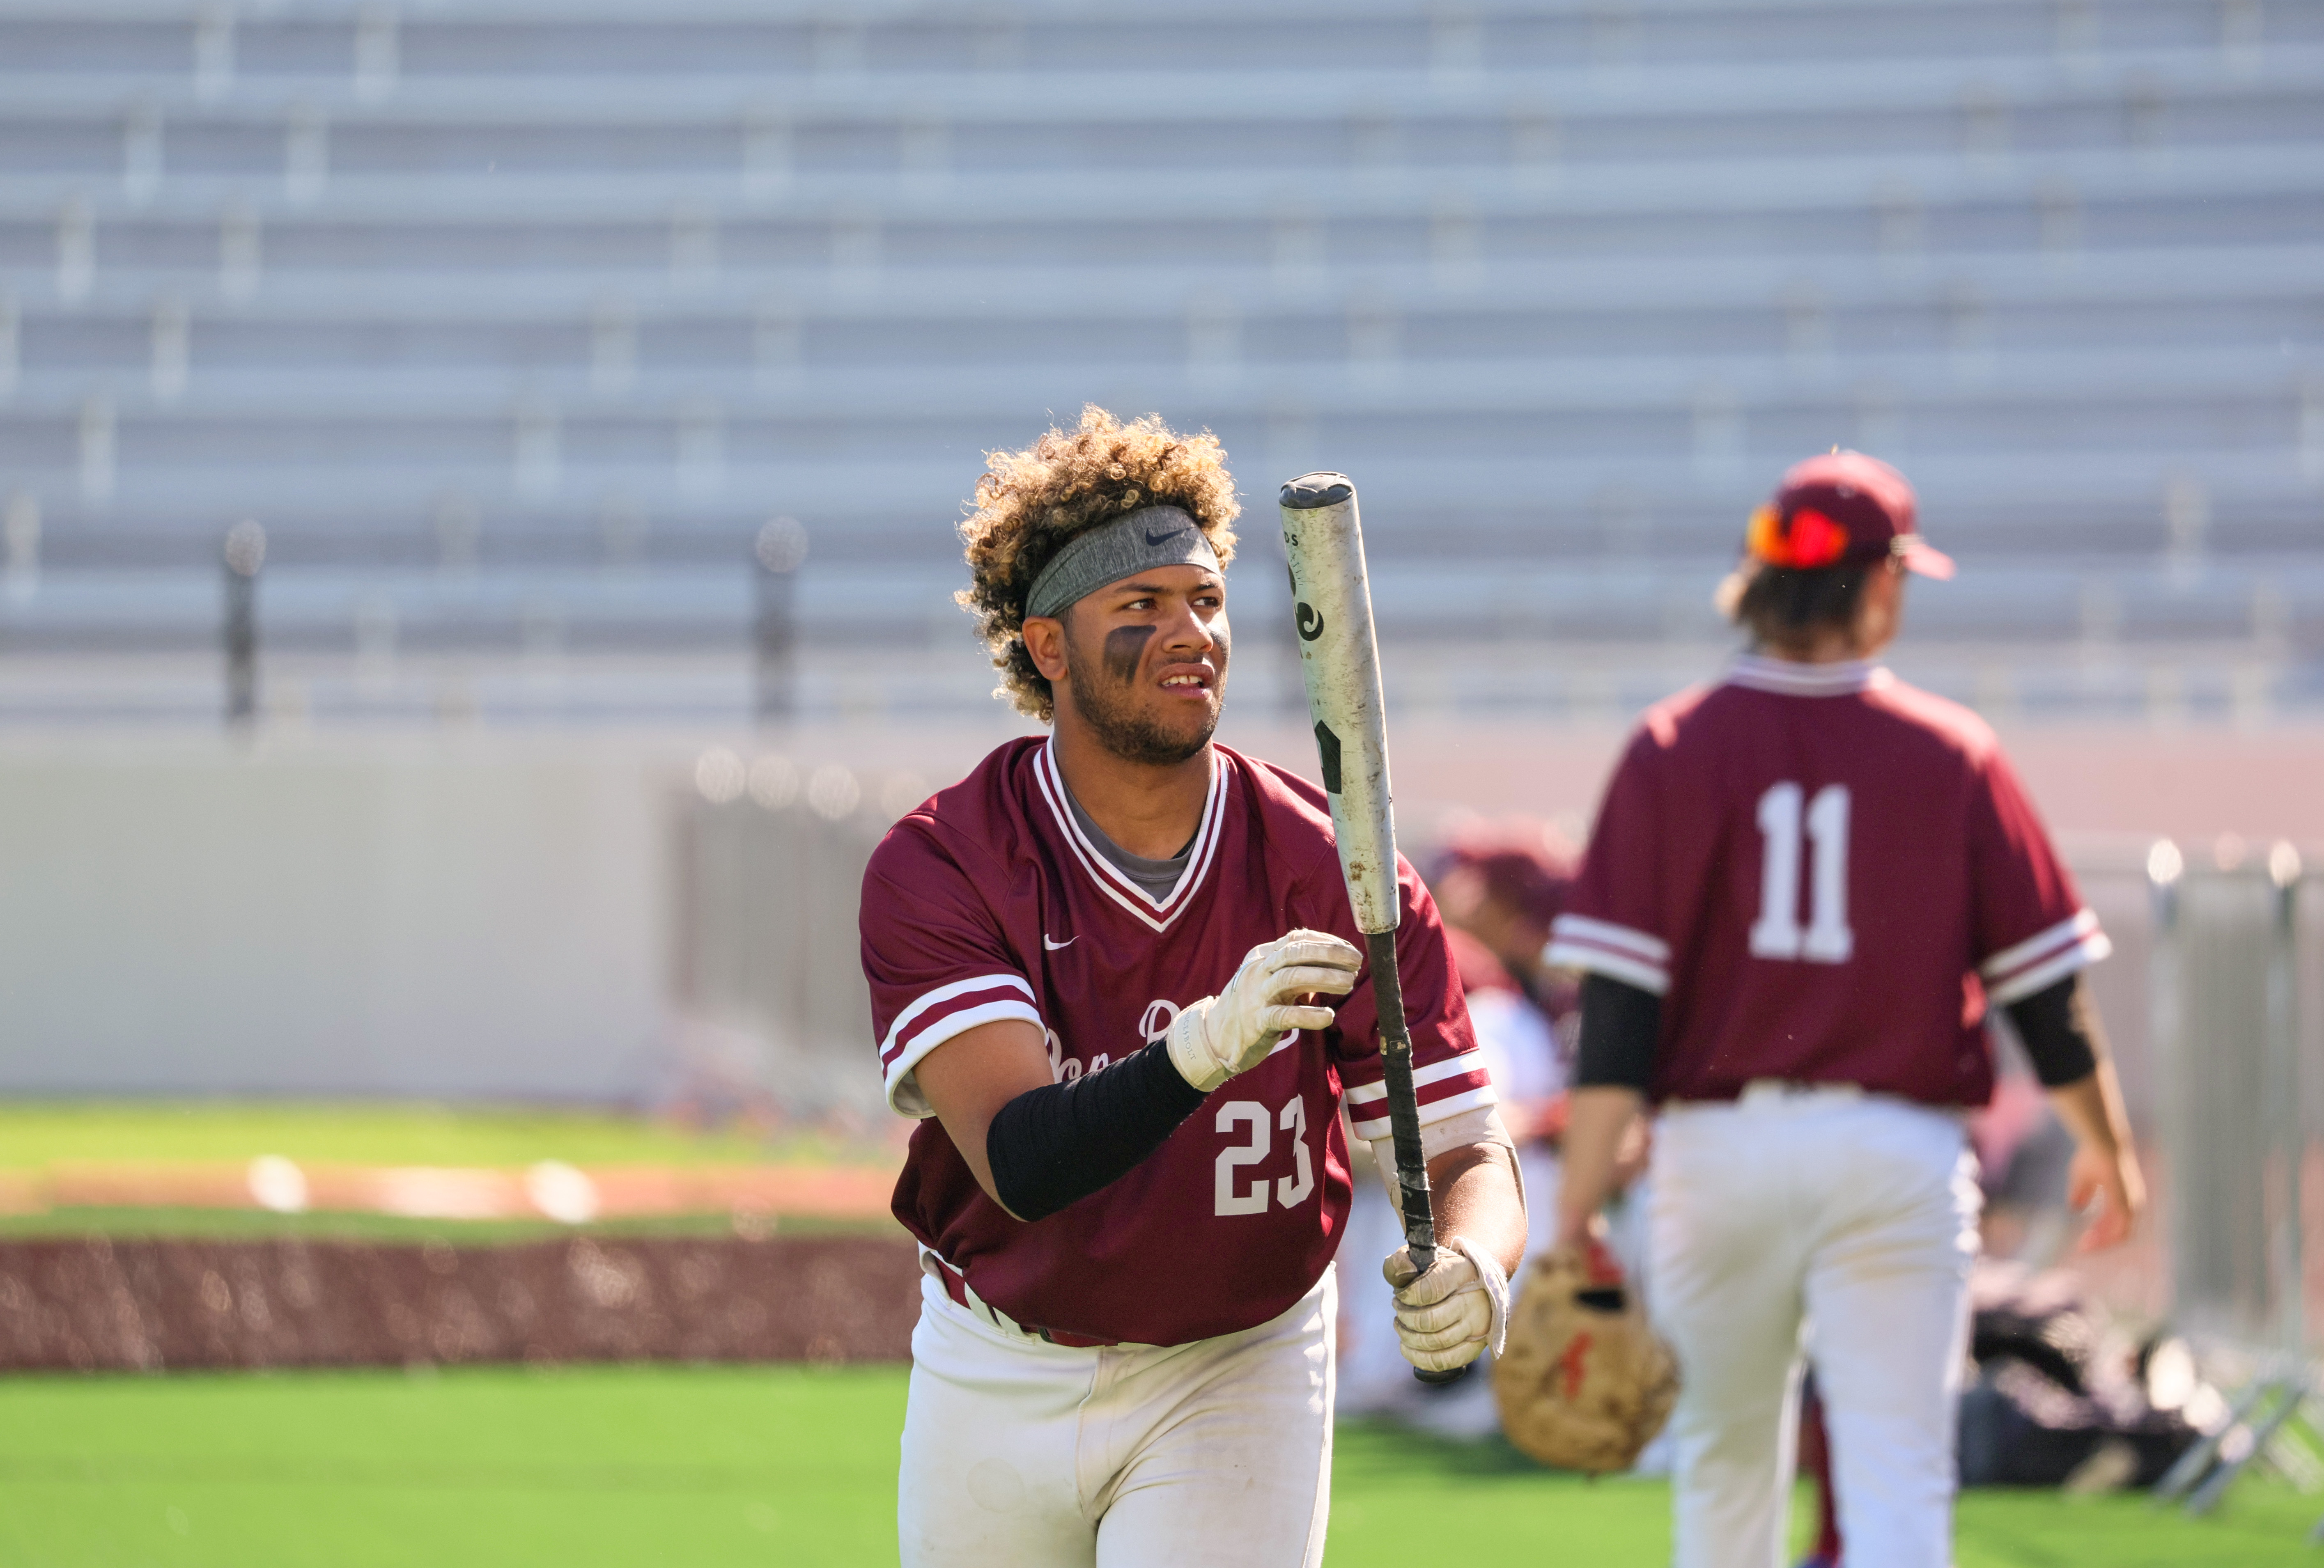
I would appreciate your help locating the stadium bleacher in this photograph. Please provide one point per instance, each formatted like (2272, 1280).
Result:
(513, 324)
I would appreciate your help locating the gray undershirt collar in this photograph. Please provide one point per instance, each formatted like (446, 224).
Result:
(1158, 877)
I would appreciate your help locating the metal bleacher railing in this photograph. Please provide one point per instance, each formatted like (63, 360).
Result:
(513, 324)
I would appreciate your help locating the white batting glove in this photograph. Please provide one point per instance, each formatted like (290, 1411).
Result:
(1231, 1032)
(1448, 1316)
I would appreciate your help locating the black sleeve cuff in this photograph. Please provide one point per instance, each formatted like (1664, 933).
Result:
(1056, 1145)
(2061, 1032)
(1620, 1027)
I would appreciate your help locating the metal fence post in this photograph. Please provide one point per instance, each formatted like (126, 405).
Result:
(2173, 1115)
(2283, 1099)
(245, 554)
(782, 547)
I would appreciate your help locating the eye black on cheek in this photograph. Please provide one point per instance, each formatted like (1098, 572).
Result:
(1125, 646)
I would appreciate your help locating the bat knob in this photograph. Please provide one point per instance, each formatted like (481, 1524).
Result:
(1312, 490)
(1438, 1379)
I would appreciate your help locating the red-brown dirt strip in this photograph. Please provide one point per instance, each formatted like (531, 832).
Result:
(93, 1304)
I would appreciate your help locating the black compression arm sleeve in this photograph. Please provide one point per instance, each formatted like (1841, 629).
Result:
(2060, 1027)
(1057, 1144)
(1621, 1025)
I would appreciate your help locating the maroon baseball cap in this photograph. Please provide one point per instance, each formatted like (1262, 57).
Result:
(1842, 508)
(1524, 870)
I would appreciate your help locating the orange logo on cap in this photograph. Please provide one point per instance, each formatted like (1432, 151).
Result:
(1807, 538)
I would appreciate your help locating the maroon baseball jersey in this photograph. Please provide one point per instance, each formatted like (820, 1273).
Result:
(990, 903)
(1826, 875)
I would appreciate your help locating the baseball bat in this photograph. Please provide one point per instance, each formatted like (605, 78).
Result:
(1339, 656)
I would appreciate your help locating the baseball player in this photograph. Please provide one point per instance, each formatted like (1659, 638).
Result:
(1113, 973)
(1806, 885)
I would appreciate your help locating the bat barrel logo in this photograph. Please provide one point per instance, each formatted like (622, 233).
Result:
(1311, 624)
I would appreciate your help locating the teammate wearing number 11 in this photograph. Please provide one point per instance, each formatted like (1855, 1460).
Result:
(1113, 972)
(1807, 886)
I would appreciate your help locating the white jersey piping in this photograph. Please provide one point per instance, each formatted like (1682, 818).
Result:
(1460, 1064)
(1789, 678)
(1157, 914)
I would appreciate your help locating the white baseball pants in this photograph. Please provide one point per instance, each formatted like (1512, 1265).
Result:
(1854, 1216)
(1018, 1453)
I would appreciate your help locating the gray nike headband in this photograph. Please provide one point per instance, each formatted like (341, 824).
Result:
(1111, 551)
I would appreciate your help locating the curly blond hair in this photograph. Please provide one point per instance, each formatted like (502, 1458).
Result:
(1029, 503)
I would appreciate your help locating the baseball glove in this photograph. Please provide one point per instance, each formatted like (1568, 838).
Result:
(1582, 1383)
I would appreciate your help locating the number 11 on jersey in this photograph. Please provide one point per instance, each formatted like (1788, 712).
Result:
(1777, 933)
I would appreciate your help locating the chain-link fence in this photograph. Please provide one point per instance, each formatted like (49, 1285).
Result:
(768, 858)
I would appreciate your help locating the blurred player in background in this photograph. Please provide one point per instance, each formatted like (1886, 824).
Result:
(1504, 884)
(1103, 970)
(1497, 893)
(1501, 891)
(1805, 885)
(1498, 890)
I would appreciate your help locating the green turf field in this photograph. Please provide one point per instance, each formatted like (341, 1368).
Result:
(37, 1133)
(599, 1467)
(595, 1467)
(234, 1225)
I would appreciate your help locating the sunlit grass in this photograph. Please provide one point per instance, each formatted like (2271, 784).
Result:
(584, 1467)
(229, 1225)
(35, 1134)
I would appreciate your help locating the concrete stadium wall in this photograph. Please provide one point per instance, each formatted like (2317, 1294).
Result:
(490, 914)
(416, 917)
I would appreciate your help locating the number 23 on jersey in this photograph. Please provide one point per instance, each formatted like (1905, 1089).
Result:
(1257, 1125)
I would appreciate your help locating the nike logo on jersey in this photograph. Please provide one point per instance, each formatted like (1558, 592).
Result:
(1053, 945)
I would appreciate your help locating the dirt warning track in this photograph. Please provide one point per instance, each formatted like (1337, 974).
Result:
(92, 1304)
